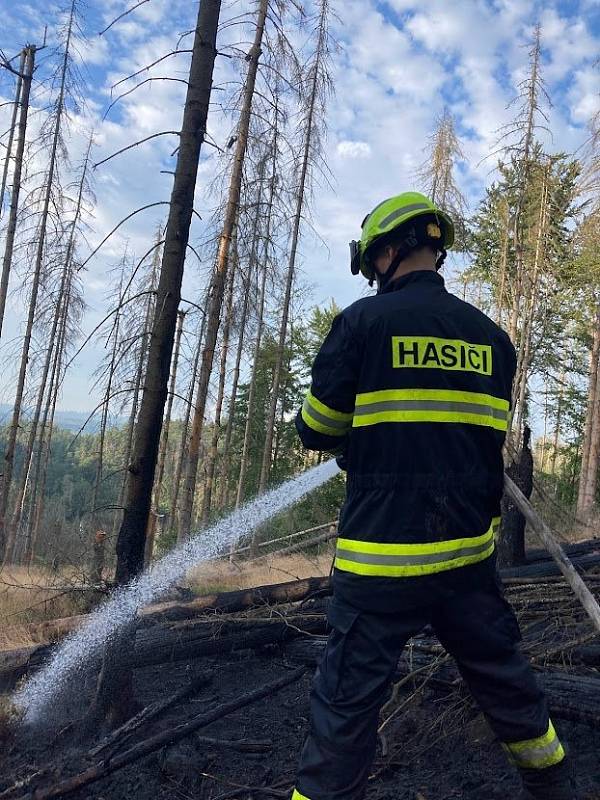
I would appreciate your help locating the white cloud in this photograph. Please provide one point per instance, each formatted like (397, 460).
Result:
(567, 42)
(584, 94)
(348, 149)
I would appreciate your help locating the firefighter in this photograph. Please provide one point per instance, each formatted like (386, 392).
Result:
(411, 390)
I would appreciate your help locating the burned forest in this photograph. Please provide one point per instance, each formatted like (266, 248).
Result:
(187, 495)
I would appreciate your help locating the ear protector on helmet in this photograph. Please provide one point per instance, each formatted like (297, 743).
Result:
(355, 257)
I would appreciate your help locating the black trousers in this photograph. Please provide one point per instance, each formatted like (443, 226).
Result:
(475, 625)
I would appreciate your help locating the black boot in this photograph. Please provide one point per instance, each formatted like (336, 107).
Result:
(553, 783)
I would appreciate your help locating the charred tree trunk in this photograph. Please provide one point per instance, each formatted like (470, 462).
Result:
(114, 691)
(13, 126)
(184, 434)
(216, 432)
(587, 478)
(11, 228)
(511, 541)
(140, 375)
(131, 539)
(213, 312)
(162, 456)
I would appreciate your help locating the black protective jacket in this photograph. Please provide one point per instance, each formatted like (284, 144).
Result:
(414, 386)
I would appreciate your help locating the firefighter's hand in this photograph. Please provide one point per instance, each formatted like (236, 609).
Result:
(341, 457)
(342, 461)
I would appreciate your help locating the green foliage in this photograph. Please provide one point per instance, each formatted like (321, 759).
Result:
(65, 531)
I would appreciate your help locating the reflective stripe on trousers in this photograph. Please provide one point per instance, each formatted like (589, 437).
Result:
(431, 405)
(296, 795)
(404, 560)
(539, 753)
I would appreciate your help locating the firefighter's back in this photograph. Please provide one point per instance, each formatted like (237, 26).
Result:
(424, 459)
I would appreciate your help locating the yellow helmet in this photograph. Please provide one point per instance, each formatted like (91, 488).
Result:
(394, 213)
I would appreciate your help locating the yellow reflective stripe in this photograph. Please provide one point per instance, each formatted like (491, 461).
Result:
(443, 395)
(431, 405)
(404, 560)
(323, 419)
(539, 753)
(326, 410)
(430, 416)
(319, 426)
(422, 548)
(414, 570)
(296, 795)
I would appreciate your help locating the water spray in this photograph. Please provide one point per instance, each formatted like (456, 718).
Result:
(71, 660)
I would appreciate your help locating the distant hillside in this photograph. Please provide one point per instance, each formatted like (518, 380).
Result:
(67, 420)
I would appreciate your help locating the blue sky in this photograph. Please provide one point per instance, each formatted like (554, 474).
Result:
(399, 65)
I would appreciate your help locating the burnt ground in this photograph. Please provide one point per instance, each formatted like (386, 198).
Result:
(438, 748)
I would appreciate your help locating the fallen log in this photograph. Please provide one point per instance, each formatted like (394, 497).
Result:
(288, 592)
(221, 602)
(162, 739)
(583, 548)
(239, 600)
(177, 645)
(548, 568)
(164, 643)
(570, 695)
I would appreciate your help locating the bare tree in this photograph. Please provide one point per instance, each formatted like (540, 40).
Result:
(131, 540)
(162, 455)
(518, 139)
(244, 460)
(60, 110)
(23, 95)
(185, 427)
(226, 462)
(51, 358)
(140, 356)
(12, 128)
(319, 87)
(211, 459)
(217, 287)
(443, 152)
(531, 300)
